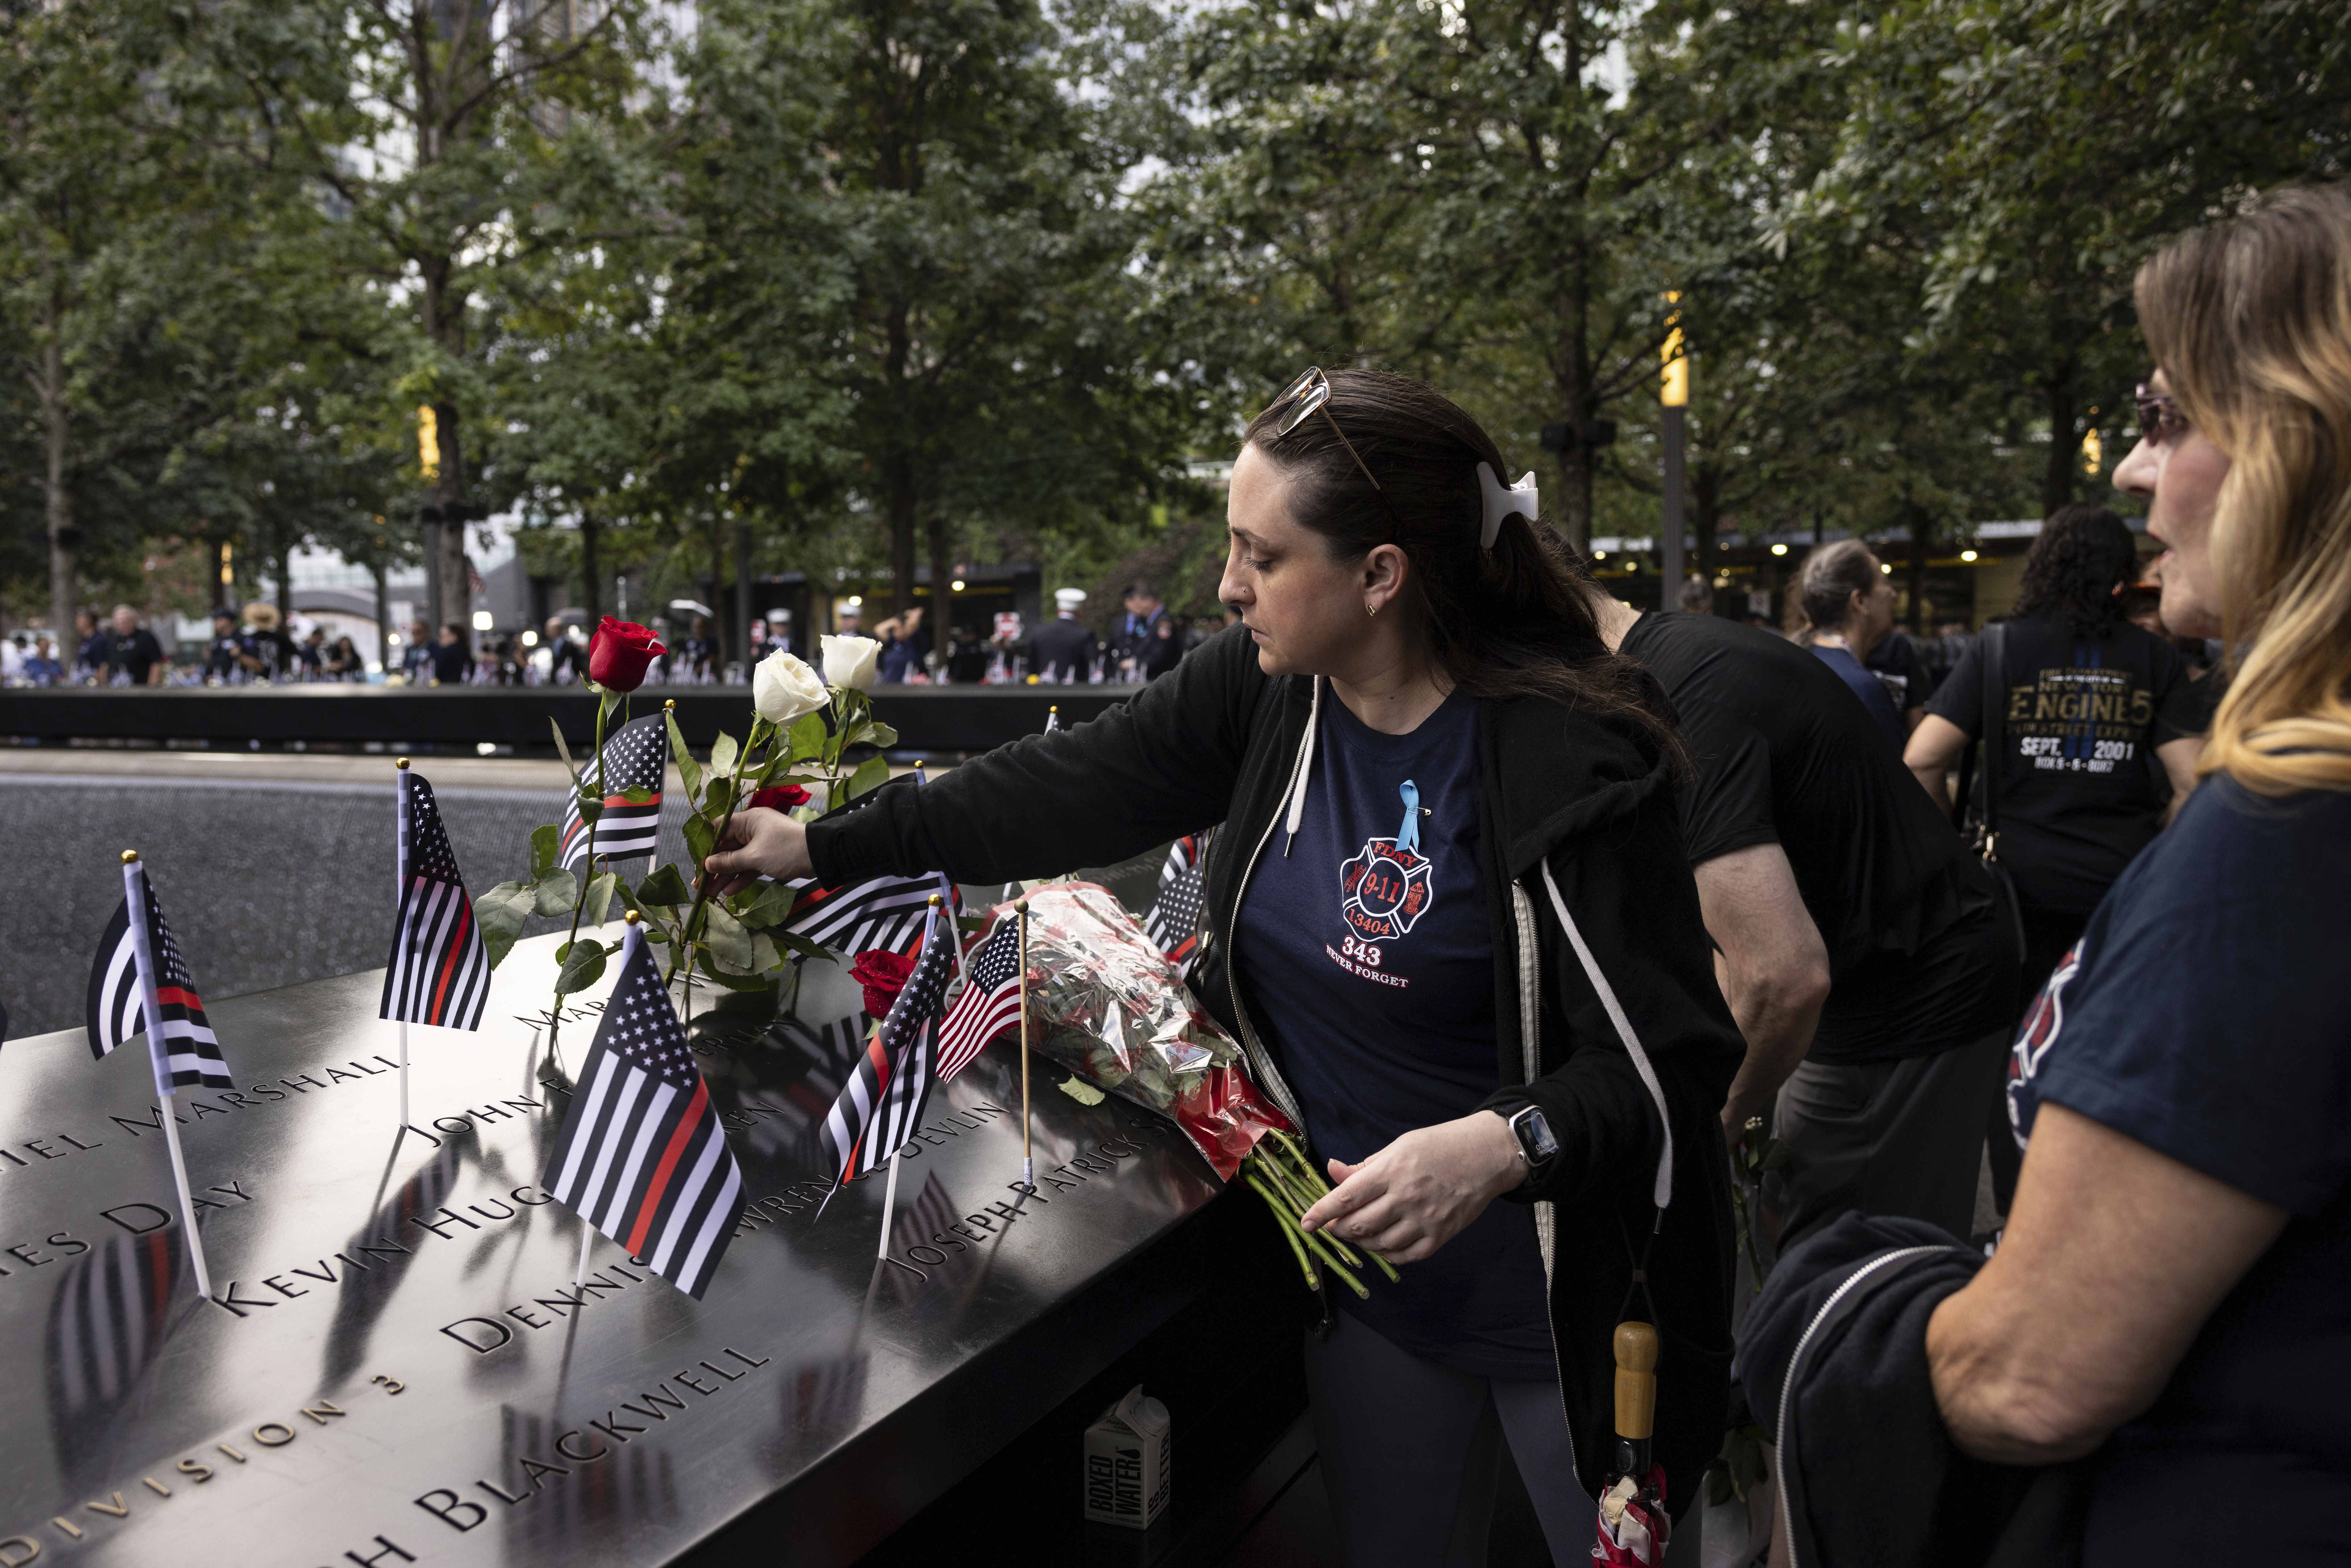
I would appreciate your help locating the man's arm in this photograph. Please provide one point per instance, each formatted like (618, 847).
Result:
(2113, 1257)
(2178, 759)
(1934, 745)
(1771, 965)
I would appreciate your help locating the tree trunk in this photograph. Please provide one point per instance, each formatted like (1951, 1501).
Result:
(1572, 375)
(742, 618)
(285, 583)
(2064, 444)
(65, 539)
(902, 499)
(1921, 527)
(942, 615)
(383, 612)
(592, 574)
(455, 569)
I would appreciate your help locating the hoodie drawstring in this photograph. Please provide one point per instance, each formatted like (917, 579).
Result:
(1304, 770)
(1663, 1195)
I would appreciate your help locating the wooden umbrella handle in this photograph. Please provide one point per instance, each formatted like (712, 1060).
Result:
(1637, 1380)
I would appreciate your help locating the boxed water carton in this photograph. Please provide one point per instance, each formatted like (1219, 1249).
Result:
(1129, 1460)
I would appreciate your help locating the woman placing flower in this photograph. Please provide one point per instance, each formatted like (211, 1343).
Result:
(1450, 920)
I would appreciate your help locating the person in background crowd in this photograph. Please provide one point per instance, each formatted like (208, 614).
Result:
(1901, 669)
(94, 647)
(12, 659)
(852, 620)
(567, 656)
(2088, 696)
(1696, 596)
(2173, 1292)
(310, 654)
(1065, 647)
(453, 661)
(343, 661)
(1402, 687)
(133, 657)
(269, 649)
(1855, 933)
(967, 657)
(416, 658)
(41, 666)
(1145, 647)
(903, 644)
(221, 665)
(1848, 608)
(697, 657)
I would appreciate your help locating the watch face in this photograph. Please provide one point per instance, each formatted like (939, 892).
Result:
(1534, 1135)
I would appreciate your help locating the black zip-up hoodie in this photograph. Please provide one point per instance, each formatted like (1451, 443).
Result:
(1606, 1010)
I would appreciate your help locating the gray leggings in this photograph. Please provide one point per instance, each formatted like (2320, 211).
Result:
(1410, 1452)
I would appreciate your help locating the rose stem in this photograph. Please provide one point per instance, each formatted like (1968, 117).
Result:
(1305, 1263)
(1297, 1211)
(703, 896)
(1385, 1267)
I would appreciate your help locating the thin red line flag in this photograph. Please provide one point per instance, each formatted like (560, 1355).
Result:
(137, 959)
(439, 972)
(636, 757)
(642, 1156)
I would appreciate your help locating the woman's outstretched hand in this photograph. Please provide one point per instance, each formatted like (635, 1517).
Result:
(758, 843)
(1418, 1193)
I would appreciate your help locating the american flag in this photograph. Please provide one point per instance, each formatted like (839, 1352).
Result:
(131, 955)
(1173, 923)
(990, 1002)
(642, 1156)
(439, 972)
(882, 1103)
(107, 1324)
(882, 912)
(635, 759)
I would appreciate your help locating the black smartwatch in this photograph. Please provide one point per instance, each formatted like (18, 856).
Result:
(1536, 1145)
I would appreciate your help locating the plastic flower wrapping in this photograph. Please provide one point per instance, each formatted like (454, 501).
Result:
(1106, 1004)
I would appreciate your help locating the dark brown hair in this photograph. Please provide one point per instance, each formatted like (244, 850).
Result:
(2083, 554)
(1512, 622)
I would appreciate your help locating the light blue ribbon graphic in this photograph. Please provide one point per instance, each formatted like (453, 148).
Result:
(1408, 836)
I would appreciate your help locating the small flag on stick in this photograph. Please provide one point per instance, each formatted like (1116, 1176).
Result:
(636, 758)
(1173, 923)
(989, 1005)
(141, 982)
(881, 912)
(642, 1156)
(884, 1101)
(439, 972)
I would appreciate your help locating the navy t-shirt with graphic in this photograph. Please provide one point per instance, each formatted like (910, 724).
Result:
(2201, 1015)
(1369, 963)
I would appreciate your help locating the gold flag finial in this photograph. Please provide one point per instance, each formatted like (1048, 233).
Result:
(401, 763)
(669, 705)
(631, 917)
(130, 856)
(936, 901)
(1021, 905)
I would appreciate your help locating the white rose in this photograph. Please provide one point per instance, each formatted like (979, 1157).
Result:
(783, 688)
(849, 662)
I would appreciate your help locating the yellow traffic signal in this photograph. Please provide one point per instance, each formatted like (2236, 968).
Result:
(1674, 380)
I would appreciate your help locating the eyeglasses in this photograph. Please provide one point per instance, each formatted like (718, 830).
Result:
(1308, 393)
(2160, 418)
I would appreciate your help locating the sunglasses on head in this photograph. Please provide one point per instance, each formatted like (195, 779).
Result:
(2159, 419)
(1308, 394)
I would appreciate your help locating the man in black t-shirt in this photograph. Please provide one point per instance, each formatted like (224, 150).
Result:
(1855, 933)
(1900, 668)
(132, 651)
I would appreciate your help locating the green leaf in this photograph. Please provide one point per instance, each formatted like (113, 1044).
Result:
(792, 941)
(701, 839)
(874, 734)
(564, 751)
(1077, 1089)
(732, 981)
(730, 943)
(764, 957)
(556, 892)
(868, 779)
(637, 797)
(807, 738)
(583, 966)
(600, 889)
(607, 699)
(687, 767)
(723, 753)
(770, 906)
(721, 795)
(502, 912)
(664, 890)
(590, 807)
(546, 843)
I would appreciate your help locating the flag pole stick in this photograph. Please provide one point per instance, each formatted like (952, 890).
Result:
(889, 1207)
(587, 1239)
(400, 892)
(134, 889)
(1027, 1162)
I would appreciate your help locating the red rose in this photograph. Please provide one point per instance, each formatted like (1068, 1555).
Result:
(618, 652)
(884, 975)
(780, 797)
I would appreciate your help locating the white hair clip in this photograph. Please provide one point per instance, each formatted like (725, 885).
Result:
(1519, 498)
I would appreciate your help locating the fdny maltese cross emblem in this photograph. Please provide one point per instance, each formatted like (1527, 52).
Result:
(1386, 888)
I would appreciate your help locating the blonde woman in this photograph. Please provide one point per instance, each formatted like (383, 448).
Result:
(2175, 1284)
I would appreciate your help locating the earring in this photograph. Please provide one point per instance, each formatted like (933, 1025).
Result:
(1370, 609)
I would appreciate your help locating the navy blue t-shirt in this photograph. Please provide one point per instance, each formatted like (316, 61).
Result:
(1369, 959)
(1868, 688)
(2202, 1015)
